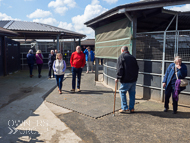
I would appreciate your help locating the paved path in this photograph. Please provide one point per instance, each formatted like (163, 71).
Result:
(26, 118)
(149, 124)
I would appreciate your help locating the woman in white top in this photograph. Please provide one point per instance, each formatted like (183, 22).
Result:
(59, 67)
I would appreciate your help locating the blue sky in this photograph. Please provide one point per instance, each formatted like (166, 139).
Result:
(68, 14)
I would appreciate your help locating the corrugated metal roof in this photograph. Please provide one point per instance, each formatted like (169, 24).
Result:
(3, 23)
(32, 26)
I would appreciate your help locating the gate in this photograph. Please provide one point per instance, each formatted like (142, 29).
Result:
(12, 55)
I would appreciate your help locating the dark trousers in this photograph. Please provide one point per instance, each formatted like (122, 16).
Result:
(39, 68)
(30, 68)
(59, 80)
(50, 69)
(170, 90)
(76, 71)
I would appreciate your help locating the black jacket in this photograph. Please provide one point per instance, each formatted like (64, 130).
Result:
(127, 68)
(51, 59)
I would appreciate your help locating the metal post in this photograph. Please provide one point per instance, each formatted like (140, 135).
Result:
(163, 65)
(176, 38)
(22, 62)
(134, 36)
(96, 69)
(58, 42)
(79, 41)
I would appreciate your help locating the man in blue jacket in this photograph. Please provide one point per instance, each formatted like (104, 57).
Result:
(89, 56)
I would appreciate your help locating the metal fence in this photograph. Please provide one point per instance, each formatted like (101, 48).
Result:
(155, 51)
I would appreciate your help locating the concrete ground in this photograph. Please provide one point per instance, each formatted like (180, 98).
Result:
(25, 117)
(148, 124)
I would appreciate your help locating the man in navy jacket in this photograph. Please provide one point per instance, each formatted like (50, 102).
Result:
(127, 72)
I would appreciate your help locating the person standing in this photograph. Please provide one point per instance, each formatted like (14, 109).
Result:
(169, 82)
(59, 67)
(51, 59)
(39, 62)
(89, 56)
(30, 59)
(127, 72)
(77, 62)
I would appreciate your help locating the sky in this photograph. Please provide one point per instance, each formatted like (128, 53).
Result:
(67, 14)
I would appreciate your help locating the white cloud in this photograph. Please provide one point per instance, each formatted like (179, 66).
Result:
(60, 3)
(92, 10)
(39, 14)
(3, 16)
(61, 10)
(65, 25)
(182, 8)
(111, 1)
(61, 6)
(50, 21)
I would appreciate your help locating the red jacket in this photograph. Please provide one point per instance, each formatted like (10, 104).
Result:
(77, 59)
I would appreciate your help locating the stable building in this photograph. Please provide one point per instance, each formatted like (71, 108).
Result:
(30, 31)
(9, 52)
(154, 36)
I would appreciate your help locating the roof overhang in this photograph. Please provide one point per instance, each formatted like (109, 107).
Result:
(133, 7)
(5, 32)
(45, 35)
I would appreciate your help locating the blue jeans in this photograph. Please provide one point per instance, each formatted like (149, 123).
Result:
(76, 71)
(131, 88)
(59, 80)
(31, 68)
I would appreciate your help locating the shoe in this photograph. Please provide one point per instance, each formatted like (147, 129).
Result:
(39, 76)
(72, 90)
(58, 88)
(92, 71)
(174, 112)
(123, 111)
(60, 92)
(87, 72)
(132, 111)
(78, 90)
(49, 77)
(166, 109)
(31, 76)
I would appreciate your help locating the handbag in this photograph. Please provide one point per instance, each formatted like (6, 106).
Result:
(184, 82)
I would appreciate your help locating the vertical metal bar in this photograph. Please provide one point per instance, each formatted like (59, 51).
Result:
(96, 69)
(58, 42)
(134, 36)
(175, 52)
(177, 32)
(163, 65)
(22, 61)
